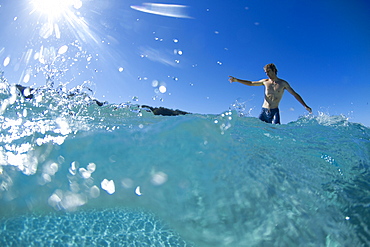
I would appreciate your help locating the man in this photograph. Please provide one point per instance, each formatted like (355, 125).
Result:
(274, 90)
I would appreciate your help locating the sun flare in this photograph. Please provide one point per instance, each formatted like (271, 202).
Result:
(55, 8)
(54, 13)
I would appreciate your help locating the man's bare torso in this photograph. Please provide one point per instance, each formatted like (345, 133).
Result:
(274, 91)
(274, 88)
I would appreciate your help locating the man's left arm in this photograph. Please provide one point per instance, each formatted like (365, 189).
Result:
(298, 97)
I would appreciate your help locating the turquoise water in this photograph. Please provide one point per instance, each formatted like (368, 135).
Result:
(76, 174)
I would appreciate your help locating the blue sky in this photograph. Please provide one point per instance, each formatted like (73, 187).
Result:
(322, 48)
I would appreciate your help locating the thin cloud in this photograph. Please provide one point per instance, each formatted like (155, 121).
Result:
(157, 56)
(170, 10)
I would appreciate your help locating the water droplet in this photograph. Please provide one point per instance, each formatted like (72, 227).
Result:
(91, 167)
(175, 40)
(84, 173)
(6, 61)
(108, 186)
(77, 4)
(155, 83)
(137, 191)
(162, 89)
(63, 50)
(120, 69)
(26, 78)
(73, 168)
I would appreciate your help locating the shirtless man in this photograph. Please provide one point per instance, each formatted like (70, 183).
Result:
(274, 90)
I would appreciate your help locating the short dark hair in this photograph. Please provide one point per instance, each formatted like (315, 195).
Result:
(271, 66)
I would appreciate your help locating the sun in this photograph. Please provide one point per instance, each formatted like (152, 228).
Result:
(54, 9)
(53, 13)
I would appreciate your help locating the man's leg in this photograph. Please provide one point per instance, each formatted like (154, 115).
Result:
(276, 116)
(265, 115)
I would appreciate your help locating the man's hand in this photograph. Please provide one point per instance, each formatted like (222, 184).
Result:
(232, 79)
(309, 109)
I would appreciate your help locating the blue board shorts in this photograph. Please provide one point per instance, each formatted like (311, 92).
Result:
(270, 115)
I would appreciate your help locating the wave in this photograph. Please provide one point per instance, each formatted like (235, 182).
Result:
(217, 180)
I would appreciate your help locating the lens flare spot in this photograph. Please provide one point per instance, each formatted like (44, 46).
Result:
(127, 183)
(94, 191)
(159, 178)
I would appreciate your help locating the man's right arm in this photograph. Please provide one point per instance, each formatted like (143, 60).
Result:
(245, 82)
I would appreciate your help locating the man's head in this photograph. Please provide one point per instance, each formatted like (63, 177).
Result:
(270, 67)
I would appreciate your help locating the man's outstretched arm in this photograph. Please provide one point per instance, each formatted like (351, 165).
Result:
(299, 98)
(245, 82)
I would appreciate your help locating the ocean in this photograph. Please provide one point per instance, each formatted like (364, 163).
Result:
(73, 173)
